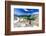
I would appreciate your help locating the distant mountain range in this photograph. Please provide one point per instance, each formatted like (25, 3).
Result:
(24, 11)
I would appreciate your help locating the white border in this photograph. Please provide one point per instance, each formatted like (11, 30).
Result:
(26, 28)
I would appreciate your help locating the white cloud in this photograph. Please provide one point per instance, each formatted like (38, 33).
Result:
(35, 13)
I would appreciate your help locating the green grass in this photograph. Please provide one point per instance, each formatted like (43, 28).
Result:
(28, 17)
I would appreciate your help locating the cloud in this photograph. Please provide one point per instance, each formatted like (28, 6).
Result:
(35, 13)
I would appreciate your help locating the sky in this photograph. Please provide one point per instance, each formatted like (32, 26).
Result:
(25, 11)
